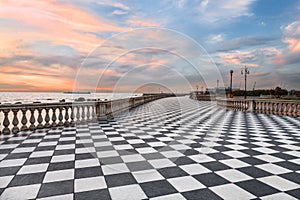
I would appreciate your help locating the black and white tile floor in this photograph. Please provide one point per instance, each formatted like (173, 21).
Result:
(173, 148)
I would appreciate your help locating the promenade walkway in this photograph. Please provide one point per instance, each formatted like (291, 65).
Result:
(172, 148)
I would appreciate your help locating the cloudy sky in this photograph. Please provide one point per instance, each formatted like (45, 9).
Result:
(103, 45)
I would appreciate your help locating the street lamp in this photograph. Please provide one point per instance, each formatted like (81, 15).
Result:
(230, 89)
(245, 71)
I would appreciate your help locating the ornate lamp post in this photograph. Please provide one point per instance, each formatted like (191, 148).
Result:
(230, 92)
(245, 71)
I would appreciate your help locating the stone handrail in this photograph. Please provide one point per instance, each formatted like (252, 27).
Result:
(266, 106)
(32, 116)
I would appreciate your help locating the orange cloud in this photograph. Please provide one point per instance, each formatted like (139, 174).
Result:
(294, 44)
(59, 23)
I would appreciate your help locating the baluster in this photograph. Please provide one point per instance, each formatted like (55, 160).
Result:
(40, 118)
(77, 114)
(93, 112)
(83, 113)
(72, 116)
(54, 118)
(88, 113)
(6, 122)
(47, 118)
(24, 120)
(67, 123)
(32, 119)
(60, 116)
(15, 121)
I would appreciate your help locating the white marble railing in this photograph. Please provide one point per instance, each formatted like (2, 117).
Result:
(267, 106)
(22, 117)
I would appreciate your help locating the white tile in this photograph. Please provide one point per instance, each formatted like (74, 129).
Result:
(63, 158)
(180, 146)
(114, 169)
(234, 163)
(233, 175)
(278, 196)
(2, 156)
(5, 180)
(176, 196)
(172, 154)
(157, 144)
(136, 141)
(194, 169)
(65, 146)
(146, 150)
(279, 183)
(132, 192)
(147, 175)
(59, 175)
(186, 183)
(85, 150)
(29, 169)
(12, 162)
(231, 192)
(265, 150)
(102, 144)
(43, 144)
(132, 158)
(269, 158)
(21, 192)
(87, 184)
(236, 154)
(87, 163)
(8, 146)
(59, 197)
(36, 154)
(161, 163)
(123, 147)
(235, 147)
(202, 158)
(206, 150)
(105, 154)
(274, 169)
(31, 141)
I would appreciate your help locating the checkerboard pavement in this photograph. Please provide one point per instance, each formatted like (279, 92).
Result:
(173, 148)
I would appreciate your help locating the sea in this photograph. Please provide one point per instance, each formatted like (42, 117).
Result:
(52, 97)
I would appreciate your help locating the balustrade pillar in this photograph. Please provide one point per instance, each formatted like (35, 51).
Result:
(67, 123)
(32, 119)
(24, 120)
(6, 122)
(54, 118)
(15, 121)
(47, 118)
(60, 116)
(40, 118)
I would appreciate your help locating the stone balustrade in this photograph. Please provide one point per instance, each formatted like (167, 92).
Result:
(202, 97)
(22, 117)
(266, 106)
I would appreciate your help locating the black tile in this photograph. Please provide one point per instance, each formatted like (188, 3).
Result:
(252, 161)
(295, 193)
(142, 145)
(219, 156)
(93, 195)
(257, 188)
(45, 148)
(210, 179)
(251, 152)
(139, 166)
(56, 188)
(120, 179)
(283, 156)
(64, 152)
(215, 166)
(110, 160)
(61, 165)
(157, 188)
(190, 152)
(293, 176)
(88, 172)
(5, 171)
(183, 161)
(31, 161)
(203, 194)
(171, 172)
(289, 165)
(27, 179)
(17, 155)
(152, 156)
(85, 156)
(254, 172)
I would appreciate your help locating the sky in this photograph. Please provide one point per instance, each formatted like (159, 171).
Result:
(103, 45)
